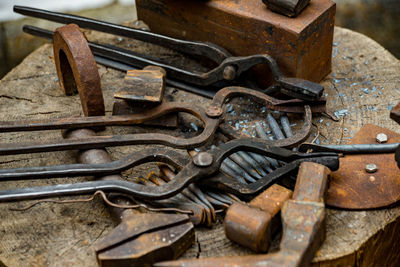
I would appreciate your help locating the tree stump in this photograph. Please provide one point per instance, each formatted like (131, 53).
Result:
(64, 234)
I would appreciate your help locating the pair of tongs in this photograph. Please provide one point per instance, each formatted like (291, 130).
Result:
(203, 167)
(229, 68)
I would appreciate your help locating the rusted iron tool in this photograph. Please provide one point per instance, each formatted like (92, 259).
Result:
(228, 69)
(253, 225)
(200, 168)
(211, 119)
(139, 239)
(303, 224)
(290, 8)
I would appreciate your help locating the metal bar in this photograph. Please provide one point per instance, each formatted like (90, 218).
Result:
(352, 149)
(274, 126)
(286, 125)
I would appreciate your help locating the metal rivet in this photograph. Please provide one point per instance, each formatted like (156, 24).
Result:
(371, 168)
(203, 159)
(229, 73)
(214, 111)
(381, 138)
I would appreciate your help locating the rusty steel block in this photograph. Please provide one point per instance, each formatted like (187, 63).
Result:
(352, 187)
(147, 85)
(302, 46)
(252, 225)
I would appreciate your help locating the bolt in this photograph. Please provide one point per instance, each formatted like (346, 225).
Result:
(229, 73)
(371, 168)
(381, 138)
(203, 159)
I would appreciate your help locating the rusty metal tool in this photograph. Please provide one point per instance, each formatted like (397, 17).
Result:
(303, 224)
(211, 119)
(139, 239)
(200, 168)
(228, 69)
(252, 225)
(289, 8)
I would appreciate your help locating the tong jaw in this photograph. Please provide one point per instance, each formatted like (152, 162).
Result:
(145, 238)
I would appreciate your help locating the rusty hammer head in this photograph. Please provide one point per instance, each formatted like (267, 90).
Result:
(252, 225)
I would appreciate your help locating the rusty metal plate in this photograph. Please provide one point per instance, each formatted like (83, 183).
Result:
(351, 187)
(302, 46)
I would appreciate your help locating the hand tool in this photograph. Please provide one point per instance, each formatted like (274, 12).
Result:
(303, 224)
(200, 168)
(302, 46)
(289, 8)
(211, 119)
(228, 69)
(252, 225)
(353, 186)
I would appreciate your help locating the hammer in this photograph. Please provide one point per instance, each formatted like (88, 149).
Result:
(141, 238)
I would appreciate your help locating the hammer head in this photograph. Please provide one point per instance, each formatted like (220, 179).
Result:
(142, 239)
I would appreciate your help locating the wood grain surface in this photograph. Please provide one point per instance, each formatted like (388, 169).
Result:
(362, 87)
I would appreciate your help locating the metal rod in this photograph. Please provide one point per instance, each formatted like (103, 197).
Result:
(286, 125)
(352, 149)
(274, 126)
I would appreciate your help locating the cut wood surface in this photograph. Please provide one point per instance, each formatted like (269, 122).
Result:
(363, 86)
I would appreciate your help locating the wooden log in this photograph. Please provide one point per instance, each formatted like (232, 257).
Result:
(64, 234)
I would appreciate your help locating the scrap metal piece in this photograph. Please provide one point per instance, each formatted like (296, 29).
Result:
(303, 224)
(289, 8)
(147, 85)
(77, 69)
(253, 225)
(352, 187)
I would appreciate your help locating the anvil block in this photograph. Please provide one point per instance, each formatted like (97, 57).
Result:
(302, 46)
